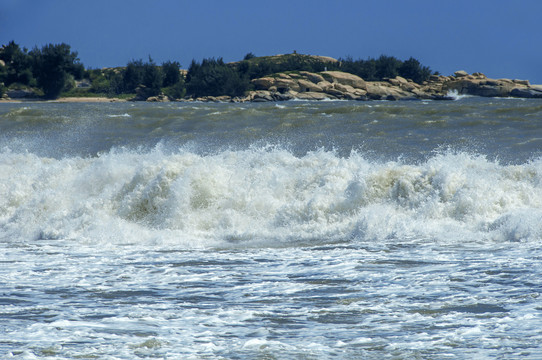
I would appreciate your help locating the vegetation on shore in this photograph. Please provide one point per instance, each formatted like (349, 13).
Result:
(55, 70)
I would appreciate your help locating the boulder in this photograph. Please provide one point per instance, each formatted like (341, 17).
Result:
(292, 76)
(383, 91)
(343, 88)
(260, 96)
(409, 86)
(263, 83)
(312, 96)
(401, 80)
(490, 91)
(284, 84)
(306, 86)
(439, 78)
(315, 78)
(335, 93)
(398, 81)
(223, 98)
(352, 96)
(484, 87)
(282, 97)
(521, 82)
(158, 98)
(325, 85)
(461, 73)
(394, 82)
(344, 79)
(526, 93)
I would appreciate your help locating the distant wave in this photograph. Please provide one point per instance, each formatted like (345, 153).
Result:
(125, 115)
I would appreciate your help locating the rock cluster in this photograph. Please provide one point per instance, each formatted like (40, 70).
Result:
(339, 85)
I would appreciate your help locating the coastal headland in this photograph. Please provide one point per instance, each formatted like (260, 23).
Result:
(337, 85)
(340, 85)
(253, 79)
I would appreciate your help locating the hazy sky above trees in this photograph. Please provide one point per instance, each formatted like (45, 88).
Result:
(498, 37)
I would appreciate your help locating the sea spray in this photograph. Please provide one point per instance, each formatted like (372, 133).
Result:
(266, 195)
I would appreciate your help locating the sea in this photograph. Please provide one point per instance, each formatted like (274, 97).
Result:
(288, 230)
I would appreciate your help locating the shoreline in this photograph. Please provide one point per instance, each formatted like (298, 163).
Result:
(335, 85)
(65, 100)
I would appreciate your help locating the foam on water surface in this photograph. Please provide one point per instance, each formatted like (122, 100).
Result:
(266, 196)
(366, 230)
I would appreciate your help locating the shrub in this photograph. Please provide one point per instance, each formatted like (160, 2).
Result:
(176, 91)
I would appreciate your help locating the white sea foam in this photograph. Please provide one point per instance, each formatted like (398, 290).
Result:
(267, 197)
(454, 94)
(125, 115)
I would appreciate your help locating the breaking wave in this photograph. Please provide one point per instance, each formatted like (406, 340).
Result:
(266, 197)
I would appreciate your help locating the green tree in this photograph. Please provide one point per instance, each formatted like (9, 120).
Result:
(147, 76)
(173, 83)
(387, 67)
(213, 77)
(172, 73)
(152, 78)
(412, 69)
(132, 76)
(249, 56)
(18, 67)
(54, 67)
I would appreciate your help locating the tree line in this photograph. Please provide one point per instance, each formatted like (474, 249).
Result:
(54, 69)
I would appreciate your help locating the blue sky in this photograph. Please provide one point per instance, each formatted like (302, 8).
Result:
(497, 37)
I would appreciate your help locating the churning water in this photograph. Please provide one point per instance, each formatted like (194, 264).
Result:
(297, 230)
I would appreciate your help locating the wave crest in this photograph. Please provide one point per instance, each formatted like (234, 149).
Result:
(266, 196)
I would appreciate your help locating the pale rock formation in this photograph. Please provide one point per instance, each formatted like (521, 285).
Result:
(306, 86)
(310, 95)
(344, 79)
(461, 73)
(315, 78)
(263, 83)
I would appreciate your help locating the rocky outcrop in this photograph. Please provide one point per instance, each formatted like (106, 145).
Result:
(531, 92)
(306, 85)
(478, 84)
(344, 79)
(387, 91)
(309, 95)
(339, 85)
(158, 98)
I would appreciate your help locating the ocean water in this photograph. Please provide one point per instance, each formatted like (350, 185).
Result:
(295, 230)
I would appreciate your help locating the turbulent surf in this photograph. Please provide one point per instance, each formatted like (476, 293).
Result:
(299, 229)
